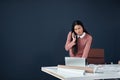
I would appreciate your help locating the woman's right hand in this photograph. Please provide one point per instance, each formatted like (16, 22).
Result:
(73, 37)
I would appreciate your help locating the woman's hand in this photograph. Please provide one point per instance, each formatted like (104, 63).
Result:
(73, 37)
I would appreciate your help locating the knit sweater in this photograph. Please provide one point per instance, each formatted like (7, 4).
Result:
(83, 44)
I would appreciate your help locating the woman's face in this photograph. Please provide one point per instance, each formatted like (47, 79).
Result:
(78, 29)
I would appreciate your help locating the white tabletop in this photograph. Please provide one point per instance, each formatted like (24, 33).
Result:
(52, 70)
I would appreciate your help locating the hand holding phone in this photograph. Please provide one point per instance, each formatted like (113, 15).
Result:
(73, 36)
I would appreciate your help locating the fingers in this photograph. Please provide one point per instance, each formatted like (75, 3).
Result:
(73, 35)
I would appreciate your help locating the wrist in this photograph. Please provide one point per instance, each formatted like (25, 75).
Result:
(73, 42)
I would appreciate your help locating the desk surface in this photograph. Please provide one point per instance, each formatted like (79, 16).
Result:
(88, 76)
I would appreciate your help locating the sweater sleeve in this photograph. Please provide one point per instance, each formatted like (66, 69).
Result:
(87, 47)
(69, 43)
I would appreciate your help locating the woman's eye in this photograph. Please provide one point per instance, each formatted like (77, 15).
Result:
(75, 29)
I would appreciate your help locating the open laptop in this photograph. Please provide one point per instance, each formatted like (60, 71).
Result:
(75, 61)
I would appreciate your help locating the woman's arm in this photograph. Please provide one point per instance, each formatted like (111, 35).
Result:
(69, 43)
(87, 47)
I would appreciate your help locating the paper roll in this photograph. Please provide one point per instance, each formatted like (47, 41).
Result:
(87, 69)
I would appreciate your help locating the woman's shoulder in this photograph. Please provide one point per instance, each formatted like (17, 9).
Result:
(70, 32)
(89, 36)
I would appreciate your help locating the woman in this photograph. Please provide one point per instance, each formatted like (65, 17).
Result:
(78, 41)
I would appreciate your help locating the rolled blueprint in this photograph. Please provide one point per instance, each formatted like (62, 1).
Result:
(87, 69)
(95, 68)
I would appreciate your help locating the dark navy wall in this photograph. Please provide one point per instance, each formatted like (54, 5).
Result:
(33, 33)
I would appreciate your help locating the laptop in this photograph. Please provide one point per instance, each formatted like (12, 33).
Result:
(75, 61)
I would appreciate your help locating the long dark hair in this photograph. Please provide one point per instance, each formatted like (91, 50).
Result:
(77, 22)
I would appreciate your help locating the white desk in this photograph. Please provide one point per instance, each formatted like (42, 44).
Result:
(88, 76)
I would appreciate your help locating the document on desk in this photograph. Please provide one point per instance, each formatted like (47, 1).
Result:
(71, 72)
(108, 68)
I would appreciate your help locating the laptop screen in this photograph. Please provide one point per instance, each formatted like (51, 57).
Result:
(74, 61)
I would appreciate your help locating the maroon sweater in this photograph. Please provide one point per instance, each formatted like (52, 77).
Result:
(84, 45)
